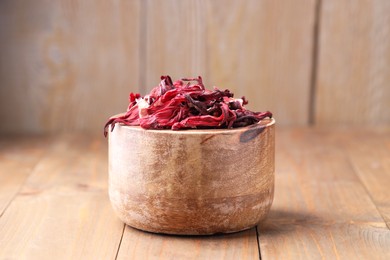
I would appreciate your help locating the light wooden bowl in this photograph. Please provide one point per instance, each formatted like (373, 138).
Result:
(192, 181)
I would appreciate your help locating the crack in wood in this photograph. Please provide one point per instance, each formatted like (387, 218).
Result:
(120, 241)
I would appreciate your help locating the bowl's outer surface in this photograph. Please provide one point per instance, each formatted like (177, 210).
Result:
(192, 181)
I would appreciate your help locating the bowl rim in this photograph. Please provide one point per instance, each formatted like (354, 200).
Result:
(265, 123)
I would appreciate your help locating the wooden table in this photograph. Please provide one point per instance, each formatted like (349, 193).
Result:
(332, 201)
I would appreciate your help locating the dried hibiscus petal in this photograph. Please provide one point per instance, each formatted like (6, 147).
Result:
(182, 105)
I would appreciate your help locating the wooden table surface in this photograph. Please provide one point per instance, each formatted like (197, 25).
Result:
(332, 201)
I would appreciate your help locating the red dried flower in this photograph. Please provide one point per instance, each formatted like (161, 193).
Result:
(182, 105)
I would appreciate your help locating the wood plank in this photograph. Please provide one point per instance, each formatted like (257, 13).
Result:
(354, 63)
(262, 50)
(300, 239)
(62, 61)
(246, 51)
(18, 157)
(62, 211)
(175, 40)
(142, 245)
(370, 158)
(321, 209)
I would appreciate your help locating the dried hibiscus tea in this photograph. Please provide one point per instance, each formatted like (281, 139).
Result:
(186, 104)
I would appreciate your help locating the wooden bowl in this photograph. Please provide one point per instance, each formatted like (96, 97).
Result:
(192, 181)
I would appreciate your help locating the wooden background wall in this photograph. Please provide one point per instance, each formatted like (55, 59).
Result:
(67, 65)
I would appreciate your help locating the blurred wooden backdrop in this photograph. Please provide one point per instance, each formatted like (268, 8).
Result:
(68, 65)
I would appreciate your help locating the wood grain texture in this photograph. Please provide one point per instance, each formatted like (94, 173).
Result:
(353, 83)
(245, 46)
(142, 245)
(193, 182)
(18, 157)
(300, 239)
(370, 158)
(64, 61)
(66, 65)
(69, 65)
(330, 202)
(262, 50)
(175, 40)
(321, 208)
(62, 211)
